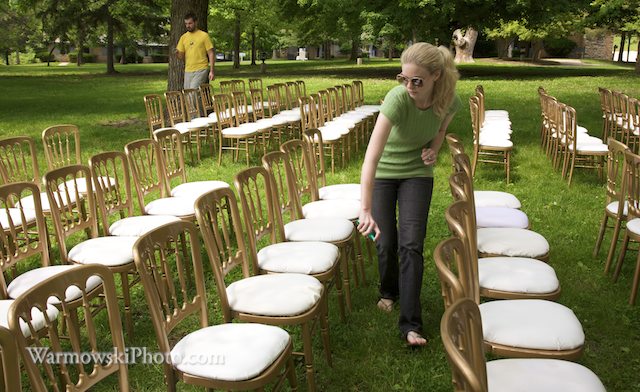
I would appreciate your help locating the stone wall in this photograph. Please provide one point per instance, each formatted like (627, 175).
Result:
(598, 44)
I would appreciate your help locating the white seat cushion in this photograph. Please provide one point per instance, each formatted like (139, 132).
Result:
(184, 127)
(239, 132)
(195, 189)
(340, 123)
(588, 148)
(136, 226)
(28, 203)
(613, 208)
(340, 191)
(495, 199)
(531, 323)
(318, 229)
(512, 242)
(27, 280)
(347, 209)
(275, 294)
(634, 226)
(501, 217)
(16, 217)
(334, 128)
(496, 112)
(106, 182)
(205, 121)
(310, 257)
(37, 317)
(517, 274)
(540, 374)
(175, 206)
(496, 142)
(374, 108)
(329, 135)
(229, 352)
(110, 251)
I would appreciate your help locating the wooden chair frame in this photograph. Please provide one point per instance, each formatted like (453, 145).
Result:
(155, 112)
(178, 114)
(486, 154)
(572, 157)
(61, 146)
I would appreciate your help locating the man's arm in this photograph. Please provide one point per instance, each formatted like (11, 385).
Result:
(212, 62)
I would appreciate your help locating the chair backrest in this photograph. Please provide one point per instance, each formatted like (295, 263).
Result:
(358, 92)
(238, 86)
(315, 147)
(175, 107)
(219, 221)
(340, 103)
(324, 108)
(155, 112)
(455, 145)
(634, 117)
(274, 99)
(303, 170)
(347, 94)
(475, 121)
(147, 169)
(462, 190)
(615, 170)
(261, 218)
(241, 109)
(226, 87)
(306, 116)
(255, 83)
(450, 256)
(23, 232)
(461, 332)
(10, 377)
(257, 103)
(315, 110)
(458, 217)
(605, 101)
(302, 88)
(293, 93)
(85, 331)
(61, 146)
(206, 95)
(632, 184)
(169, 262)
(281, 177)
(63, 191)
(222, 106)
(112, 185)
(568, 132)
(19, 160)
(191, 97)
(170, 142)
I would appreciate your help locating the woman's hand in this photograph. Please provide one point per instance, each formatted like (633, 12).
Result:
(366, 224)
(429, 156)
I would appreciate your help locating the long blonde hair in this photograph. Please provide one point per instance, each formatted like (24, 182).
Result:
(435, 59)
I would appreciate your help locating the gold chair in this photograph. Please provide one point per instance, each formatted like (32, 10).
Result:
(190, 130)
(147, 169)
(239, 138)
(606, 105)
(461, 333)
(616, 205)
(500, 277)
(87, 332)
(246, 119)
(117, 199)
(493, 150)
(255, 83)
(192, 102)
(620, 103)
(263, 220)
(338, 231)
(114, 252)
(631, 233)
(275, 299)
(238, 86)
(174, 167)
(334, 138)
(302, 88)
(61, 146)
(9, 361)
(170, 266)
(155, 112)
(512, 327)
(293, 94)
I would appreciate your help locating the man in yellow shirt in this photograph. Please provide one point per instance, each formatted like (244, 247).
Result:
(196, 49)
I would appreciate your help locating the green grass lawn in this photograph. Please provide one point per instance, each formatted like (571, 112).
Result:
(368, 354)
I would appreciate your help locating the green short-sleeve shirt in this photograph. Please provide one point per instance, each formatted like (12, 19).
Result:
(412, 130)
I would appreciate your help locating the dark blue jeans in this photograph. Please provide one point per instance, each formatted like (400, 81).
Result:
(401, 243)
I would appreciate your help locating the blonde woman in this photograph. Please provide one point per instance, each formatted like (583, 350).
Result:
(398, 172)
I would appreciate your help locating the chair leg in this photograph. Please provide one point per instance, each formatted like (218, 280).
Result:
(308, 356)
(344, 264)
(603, 228)
(508, 165)
(623, 251)
(291, 375)
(612, 247)
(337, 279)
(324, 328)
(573, 164)
(126, 297)
(636, 280)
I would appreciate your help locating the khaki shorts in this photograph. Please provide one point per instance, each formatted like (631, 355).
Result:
(196, 78)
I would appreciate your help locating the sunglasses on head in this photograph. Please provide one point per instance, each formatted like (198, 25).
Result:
(415, 81)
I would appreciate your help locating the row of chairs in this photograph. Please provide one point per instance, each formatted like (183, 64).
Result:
(622, 209)
(565, 142)
(523, 323)
(140, 158)
(620, 117)
(491, 134)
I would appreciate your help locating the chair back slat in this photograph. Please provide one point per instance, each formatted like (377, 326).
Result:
(226, 87)
(147, 169)
(324, 108)
(358, 92)
(255, 84)
(206, 95)
(222, 106)
(241, 110)
(155, 112)
(257, 103)
(302, 88)
(315, 147)
(281, 177)
(238, 86)
(170, 142)
(35, 323)
(274, 99)
(293, 93)
(61, 146)
(192, 102)
(303, 175)
(632, 163)
(175, 107)
(615, 170)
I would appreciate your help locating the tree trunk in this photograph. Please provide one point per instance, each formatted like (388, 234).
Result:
(17, 57)
(6, 56)
(110, 68)
(536, 48)
(638, 59)
(621, 50)
(236, 41)
(465, 44)
(123, 55)
(253, 45)
(327, 50)
(179, 8)
(355, 48)
(390, 54)
(80, 44)
(502, 46)
(629, 46)
(53, 47)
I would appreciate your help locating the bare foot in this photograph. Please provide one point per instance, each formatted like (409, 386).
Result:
(414, 339)
(385, 304)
